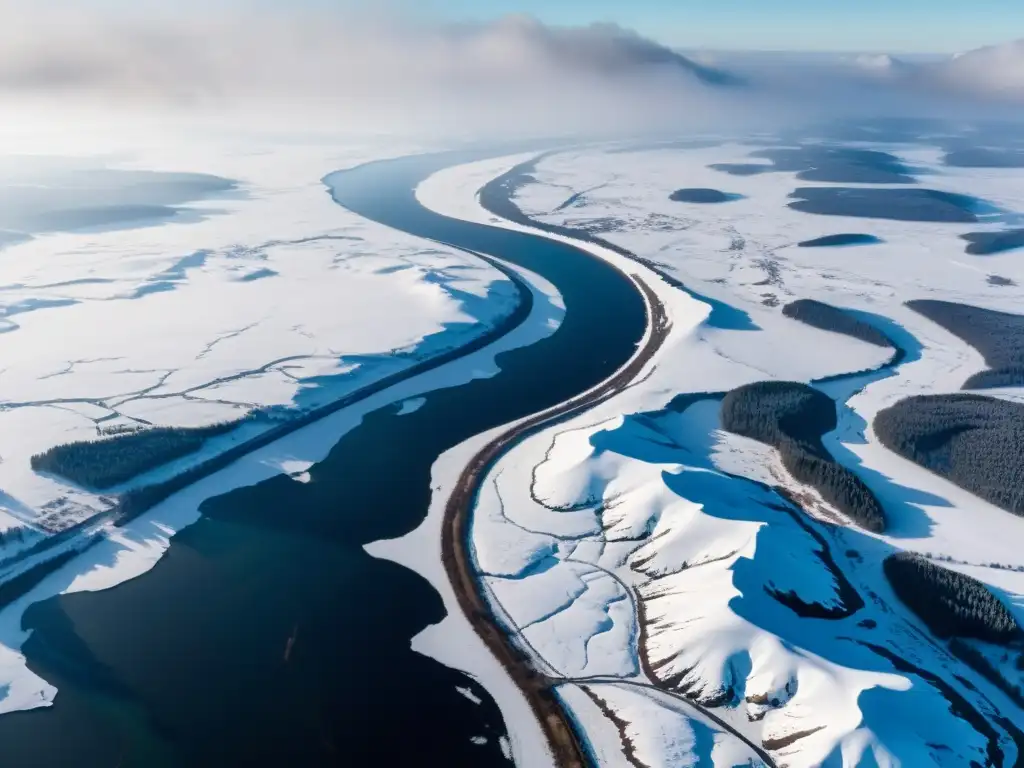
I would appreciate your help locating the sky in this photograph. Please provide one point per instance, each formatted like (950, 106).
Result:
(896, 26)
(196, 55)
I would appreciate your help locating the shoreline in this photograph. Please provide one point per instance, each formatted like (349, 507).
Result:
(140, 500)
(543, 687)
(39, 578)
(565, 743)
(135, 502)
(862, 377)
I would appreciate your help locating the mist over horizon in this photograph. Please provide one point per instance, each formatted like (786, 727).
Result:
(512, 77)
(511, 383)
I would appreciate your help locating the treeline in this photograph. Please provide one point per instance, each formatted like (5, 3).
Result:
(828, 318)
(138, 501)
(104, 463)
(971, 440)
(14, 588)
(833, 241)
(700, 195)
(774, 411)
(950, 603)
(838, 164)
(793, 417)
(998, 336)
(12, 535)
(989, 243)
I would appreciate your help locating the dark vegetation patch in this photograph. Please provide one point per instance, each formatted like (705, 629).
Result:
(787, 741)
(742, 169)
(793, 417)
(114, 460)
(138, 501)
(849, 599)
(998, 336)
(14, 588)
(814, 162)
(700, 195)
(928, 205)
(950, 603)
(971, 440)
(985, 157)
(828, 318)
(832, 241)
(259, 274)
(989, 243)
(1000, 280)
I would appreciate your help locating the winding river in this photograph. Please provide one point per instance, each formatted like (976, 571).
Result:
(266, 635)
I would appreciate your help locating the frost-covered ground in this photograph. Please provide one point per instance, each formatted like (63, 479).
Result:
(630, 551)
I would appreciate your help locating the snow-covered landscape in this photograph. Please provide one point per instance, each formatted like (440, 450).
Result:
(638, 552)
(266, 301)
(506, 386)
(263, 302)
(641, 556)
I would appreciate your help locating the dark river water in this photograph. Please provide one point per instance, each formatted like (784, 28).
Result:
(185, 666)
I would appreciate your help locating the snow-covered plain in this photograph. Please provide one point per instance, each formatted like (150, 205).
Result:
(626, 551)
(267, 298)
(347, 295)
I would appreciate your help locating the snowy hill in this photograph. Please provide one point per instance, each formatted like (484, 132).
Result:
(697, 604)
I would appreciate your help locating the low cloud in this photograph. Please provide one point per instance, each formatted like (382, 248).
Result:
(515, 69)
(515, 75)
(996, 72)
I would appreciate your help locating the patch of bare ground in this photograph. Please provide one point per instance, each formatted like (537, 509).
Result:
(666, 686)
(628, 747)
(787, 741)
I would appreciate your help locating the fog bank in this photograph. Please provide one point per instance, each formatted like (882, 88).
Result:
(514, 76)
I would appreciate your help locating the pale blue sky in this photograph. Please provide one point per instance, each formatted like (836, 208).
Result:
(895, 26)
(884, 25)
